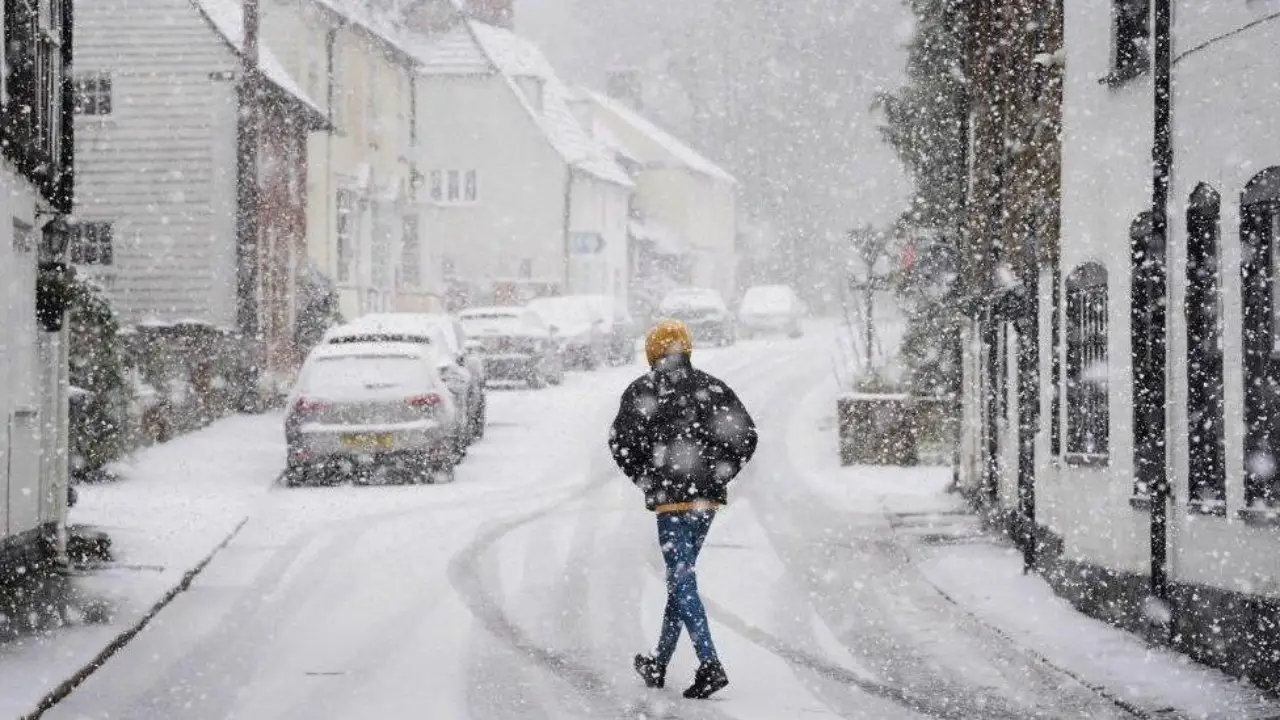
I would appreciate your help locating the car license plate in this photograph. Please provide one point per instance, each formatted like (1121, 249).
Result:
(368, 441)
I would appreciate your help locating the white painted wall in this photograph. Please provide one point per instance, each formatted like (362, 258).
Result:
(600, 207)
(26, 380)
(162, 166)
(475, 122)
(1224, 134)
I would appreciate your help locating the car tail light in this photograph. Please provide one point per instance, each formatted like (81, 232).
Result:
(305, 406)
(429, 400)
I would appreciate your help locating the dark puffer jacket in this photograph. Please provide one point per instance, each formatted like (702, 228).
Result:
(681, 434)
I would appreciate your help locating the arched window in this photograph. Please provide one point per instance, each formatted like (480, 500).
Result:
(1088, 413)
(1260, 242)
(1206, 460)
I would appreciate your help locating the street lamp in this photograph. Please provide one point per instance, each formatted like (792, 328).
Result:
(53, 282)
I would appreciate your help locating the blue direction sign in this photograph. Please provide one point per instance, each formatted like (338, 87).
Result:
(585, 243)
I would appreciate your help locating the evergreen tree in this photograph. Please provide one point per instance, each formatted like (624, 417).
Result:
(96, 365)
(927, 124)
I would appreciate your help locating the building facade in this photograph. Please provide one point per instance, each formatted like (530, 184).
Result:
(157, 114)
(1126, 360)
(514, 188)
(363, 215)
(36, 140)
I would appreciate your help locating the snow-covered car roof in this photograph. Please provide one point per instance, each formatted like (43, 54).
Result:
(692, 297)
(497, 311)
(409, 327)
(372, 349)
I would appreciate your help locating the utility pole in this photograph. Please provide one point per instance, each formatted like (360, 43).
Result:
(1162, 167)
(247, 204)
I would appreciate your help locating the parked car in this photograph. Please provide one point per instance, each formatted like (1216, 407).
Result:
(577, 331)
(359, 406)
(515, 344)
(771, 308)
(620, 331)
(704, 311)
(465, 379)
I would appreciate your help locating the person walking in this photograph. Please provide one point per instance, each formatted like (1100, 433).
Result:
(681, 435)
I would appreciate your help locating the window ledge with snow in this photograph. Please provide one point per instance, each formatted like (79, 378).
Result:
(1087, 460)
(1263, 516)
(1216, 508)
(1140, 502)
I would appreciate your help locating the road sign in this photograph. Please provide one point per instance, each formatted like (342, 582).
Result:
(585, 243)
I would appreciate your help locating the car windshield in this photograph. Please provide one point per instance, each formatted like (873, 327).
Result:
(350, 373)
(480, 323)
(563, 312)
(692, 300)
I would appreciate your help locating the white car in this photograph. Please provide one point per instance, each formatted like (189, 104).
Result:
(360, 406)
(515, 344)
(576, 327)
(771, 308)
(704, 312)
(465, 373)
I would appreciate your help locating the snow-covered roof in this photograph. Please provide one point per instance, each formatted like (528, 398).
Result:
(359, 13)
(685, 155)
(227, 18)
(472, 47)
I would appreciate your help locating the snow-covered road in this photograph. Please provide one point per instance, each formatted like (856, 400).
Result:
(523, 589)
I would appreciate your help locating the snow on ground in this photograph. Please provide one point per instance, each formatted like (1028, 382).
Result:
(171, 506)
(984, 576)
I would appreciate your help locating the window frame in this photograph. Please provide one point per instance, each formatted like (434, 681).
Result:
(90, 101)
(345, 234)
(103, 245)
(453, 187)
(1087, 337)
(1259, 234)
(1205, 410)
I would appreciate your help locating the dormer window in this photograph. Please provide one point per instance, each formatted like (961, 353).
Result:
(531, 86)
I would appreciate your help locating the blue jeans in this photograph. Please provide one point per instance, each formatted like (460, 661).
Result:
(680, 536)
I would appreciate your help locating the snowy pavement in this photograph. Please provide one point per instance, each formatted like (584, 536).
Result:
(523, 589)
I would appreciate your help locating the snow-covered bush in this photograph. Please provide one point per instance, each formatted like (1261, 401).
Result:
(99, 418)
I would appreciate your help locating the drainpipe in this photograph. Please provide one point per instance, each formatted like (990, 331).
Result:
(568, 208)
(1162, 168)
(248, 254)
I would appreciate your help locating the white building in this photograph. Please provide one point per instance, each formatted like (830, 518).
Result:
(35, 195)
(156, 166)
(362, 215)
(677, 189)
(1222, 382)
(514, 187)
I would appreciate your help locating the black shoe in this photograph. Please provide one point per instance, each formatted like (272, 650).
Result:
(709, 680)
(653, 674)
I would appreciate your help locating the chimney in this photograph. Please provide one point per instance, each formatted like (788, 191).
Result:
(499, 13)
(624, 85)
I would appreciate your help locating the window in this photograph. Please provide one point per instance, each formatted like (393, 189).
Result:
(1206, 459)
(453, 194)
(346, 207)
(1088, 414)
(437, 186)
(1131, 36)
(93, 94)
(91, 244)
(410, 253)
(1147, 301)
(32, 116)
(454, 187)
(469, 187)
(1259, 237)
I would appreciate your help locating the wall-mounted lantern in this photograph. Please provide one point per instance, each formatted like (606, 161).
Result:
(53, 283)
